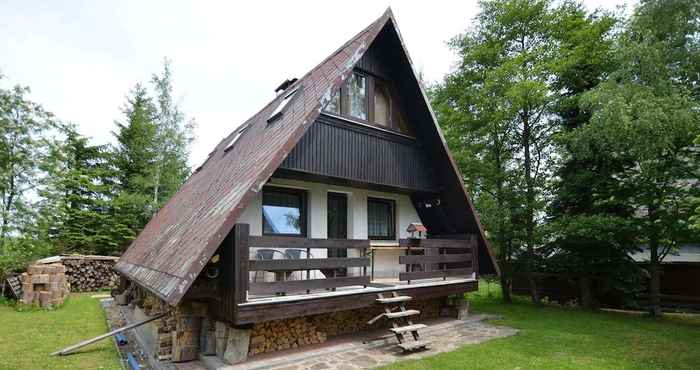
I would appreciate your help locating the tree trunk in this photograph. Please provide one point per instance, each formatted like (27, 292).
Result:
(655, 283)
(504, 248)
(506, 280)
(654, 262)
(505, 288)
(586, 292)
(529, 211)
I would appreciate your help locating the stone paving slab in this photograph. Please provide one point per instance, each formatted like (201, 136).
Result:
(444, 337)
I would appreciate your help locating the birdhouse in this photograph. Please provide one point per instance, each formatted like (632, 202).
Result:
(417, 227)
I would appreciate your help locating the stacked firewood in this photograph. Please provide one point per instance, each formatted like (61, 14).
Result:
(283, 334)
(90, 273)
(277, 335)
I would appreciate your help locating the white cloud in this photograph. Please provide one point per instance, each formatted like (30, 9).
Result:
(81, 58)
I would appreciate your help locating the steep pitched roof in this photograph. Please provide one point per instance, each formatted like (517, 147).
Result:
(179, 240)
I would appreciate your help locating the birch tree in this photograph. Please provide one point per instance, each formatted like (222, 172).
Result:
(26, 154)
(174, 134)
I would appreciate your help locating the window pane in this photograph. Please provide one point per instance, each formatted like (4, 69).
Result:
(380, 222)
(357, 96)
(382, 104)
(282, 213)
(333, 105)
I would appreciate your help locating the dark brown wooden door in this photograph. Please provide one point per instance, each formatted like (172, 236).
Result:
(337, 227)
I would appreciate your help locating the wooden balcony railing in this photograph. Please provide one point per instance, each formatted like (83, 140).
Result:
(286, 267)
(425, 258)
(438, 258)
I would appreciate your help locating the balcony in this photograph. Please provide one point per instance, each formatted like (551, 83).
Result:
(275, 277)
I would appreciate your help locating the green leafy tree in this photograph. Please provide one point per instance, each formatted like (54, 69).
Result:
(589, 236)
(27, 155)
(646, 115)
(174, 134)
(27, 149)
(499, 109)
(696, 218)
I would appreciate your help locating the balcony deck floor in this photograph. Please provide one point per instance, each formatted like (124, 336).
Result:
(376, 286)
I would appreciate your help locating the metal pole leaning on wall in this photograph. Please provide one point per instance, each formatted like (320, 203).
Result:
(68, 350)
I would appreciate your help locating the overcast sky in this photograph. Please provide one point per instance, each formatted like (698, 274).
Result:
(80, 58)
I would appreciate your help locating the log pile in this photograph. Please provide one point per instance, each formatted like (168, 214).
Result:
(87, 273)
(163, 327)
(295, 332)
(90, 273)
(283, 334)
(45, 285)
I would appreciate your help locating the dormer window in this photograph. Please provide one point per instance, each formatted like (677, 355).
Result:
(367, 99)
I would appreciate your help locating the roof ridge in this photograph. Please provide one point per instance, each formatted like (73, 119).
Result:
(387, 13)
(357, 36)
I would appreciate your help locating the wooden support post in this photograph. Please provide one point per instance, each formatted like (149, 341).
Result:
(308, 272)
(241, 252)
(474, 243)
(364, 268)
(444, 266)
(409, 268)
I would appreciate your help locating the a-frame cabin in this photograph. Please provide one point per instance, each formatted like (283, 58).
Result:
(338, 192)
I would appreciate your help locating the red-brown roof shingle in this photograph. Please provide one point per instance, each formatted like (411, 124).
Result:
(179, 240)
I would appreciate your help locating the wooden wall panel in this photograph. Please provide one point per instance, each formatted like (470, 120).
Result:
(340, 149)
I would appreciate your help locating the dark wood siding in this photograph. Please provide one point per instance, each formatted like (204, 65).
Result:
(336, 148)
(373, 63)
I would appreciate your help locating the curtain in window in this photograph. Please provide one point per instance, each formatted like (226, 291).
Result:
(357, 96)
(379, 220)
(382, 104)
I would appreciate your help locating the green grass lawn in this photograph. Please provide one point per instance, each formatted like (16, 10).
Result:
(565, 338)
(27, 338)
(550, 338)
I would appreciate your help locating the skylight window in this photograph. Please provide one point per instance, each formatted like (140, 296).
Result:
(235, 138)
(277, 113)
(205, 162)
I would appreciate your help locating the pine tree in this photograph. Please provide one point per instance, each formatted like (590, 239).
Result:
(84, 221)
(152, 153)
(133, 160)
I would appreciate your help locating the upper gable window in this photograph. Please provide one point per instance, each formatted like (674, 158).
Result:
(382, 104)
(356, 87)
(368, 99)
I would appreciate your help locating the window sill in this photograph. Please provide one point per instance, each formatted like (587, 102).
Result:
(368, 125)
